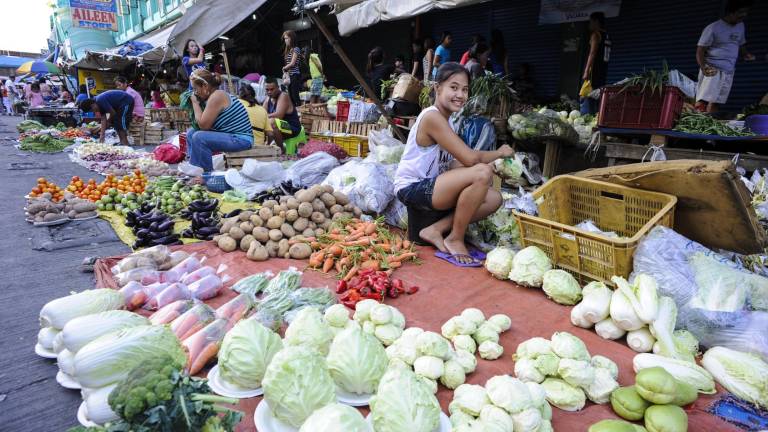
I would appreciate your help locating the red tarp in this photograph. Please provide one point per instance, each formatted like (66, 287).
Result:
(446, 291)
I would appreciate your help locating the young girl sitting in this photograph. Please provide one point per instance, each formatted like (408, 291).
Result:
(440, 173)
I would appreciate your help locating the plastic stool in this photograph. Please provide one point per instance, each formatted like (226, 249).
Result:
(292, 144)
(420, 219)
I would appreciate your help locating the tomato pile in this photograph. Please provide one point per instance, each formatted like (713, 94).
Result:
(93, 191)
(44, 186)
(371, 284)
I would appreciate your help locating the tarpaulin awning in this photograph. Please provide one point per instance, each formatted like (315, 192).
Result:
(115, 58)
(13, 61)
(209, 19)
(370, 12)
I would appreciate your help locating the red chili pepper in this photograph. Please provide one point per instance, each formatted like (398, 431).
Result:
(365, 291)
(355, 281)
(350, 304)
(398, 284)
(376, 296)
(412, 290)
(341, 286)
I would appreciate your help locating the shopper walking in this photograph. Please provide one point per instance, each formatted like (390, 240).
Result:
(443, 52)
(499, 60)
(193, 59)
(596, 66)
(115, 106)
(475, 40)
(717, 52)
(291, 71)
(316, 73)
(377, 70)
(417, 55)
(121, 83)
(429, 58)
(13, 94)
(223, 122)
(442, 175)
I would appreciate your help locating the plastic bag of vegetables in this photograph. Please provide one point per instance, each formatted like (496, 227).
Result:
(534, 125)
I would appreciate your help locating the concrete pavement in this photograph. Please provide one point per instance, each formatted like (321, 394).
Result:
(30, 398)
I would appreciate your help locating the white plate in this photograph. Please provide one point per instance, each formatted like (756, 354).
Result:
(45, 353)
(266, 422)
(66, 381)
(223, 388)
(444, 426)
(352, 399)
(51, 223)
(82, 418)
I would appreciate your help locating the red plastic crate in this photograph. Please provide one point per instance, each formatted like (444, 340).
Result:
(342, 110)
(636, 109)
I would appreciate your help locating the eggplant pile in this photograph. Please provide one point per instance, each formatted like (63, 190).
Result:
(204, 217)
(285, 188)
(151, 227)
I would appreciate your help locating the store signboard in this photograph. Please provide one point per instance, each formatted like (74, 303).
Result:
(94, 14)
(562, 11)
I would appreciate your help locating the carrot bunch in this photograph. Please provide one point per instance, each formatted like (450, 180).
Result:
(353, 245)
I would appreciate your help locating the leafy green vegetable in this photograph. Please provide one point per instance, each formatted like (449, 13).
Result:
(700, 123)
(56, 313)
(253, 284)
(146, 386)
(356, 361)
(80, 331)
(743, 374)
(561, 286)
(529, 266)
(333, 418)
(403, 403)
(245, 353)
(309, 330)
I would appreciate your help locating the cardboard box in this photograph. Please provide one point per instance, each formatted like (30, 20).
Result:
(407, 88)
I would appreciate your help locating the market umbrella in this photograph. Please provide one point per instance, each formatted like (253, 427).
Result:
(252, 77)
(38, 67)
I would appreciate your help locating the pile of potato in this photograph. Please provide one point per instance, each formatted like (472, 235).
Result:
(284, 229)
(44, 209)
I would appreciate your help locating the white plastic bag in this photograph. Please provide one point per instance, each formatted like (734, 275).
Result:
(311, 170)
(685, 84)
(384, 148)
(367, 185)
(263, 171)
(396, 214)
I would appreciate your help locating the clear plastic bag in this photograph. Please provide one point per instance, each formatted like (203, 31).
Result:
(192, 321)
(667, 256)
(533, 125)
(201, 273)
(366, 184)
(134, 295)
(136, 275)
(207, 287)
(396, 214)
(383, 147)
(188, 265)
(269, 318)
(311, 170)
(253, 284)
(152, 290)
(170, 312)
(173, 292)
(237, 308)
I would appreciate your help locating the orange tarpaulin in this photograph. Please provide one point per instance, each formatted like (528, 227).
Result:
(445, 291)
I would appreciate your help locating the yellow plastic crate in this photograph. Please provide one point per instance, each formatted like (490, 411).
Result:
(565, 201)
(354, 145)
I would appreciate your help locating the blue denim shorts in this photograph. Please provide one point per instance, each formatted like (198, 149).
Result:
(418, 195)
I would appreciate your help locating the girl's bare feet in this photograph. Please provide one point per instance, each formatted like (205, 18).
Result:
(458, 249)
(431, 235)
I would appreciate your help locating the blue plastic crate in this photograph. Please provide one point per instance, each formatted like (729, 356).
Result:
(216, 183)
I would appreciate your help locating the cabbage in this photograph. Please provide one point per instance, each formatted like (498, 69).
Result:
(97, 405)
(297, 383)
(363, 309)
(494, 416)
(387, 333)
(490, 350)
(81, 330)
(449, 329)
(404, 350)
(333, 418)
(499, 262)
(109, 358)
(487, 331)
(527, 420)
(596, 302)
(640, 340)
(403, 403)
(563, 395)
(356, 361)
(429, 383)
(533, 348)
(561, 287)
(464, 326)
(66, 362)
(380, 314)
(622, 311)
(469, 398)
(508, 393)
(398, 319)
(526, 371)
(566, 345)
(529, 266)
(721, 288)
(46, 336)
(599, 361)
(246, 352)
(682, 370)
(600, 389)
(459, 418)
(464, 342)
(578, 373)
(473, 314)
(743, 374)
(337, 315)
(308, 329)
(453, 374)
(428, 366)
(608, 329)
(467, 361)
(510, 169)
(503, 322)
(547, 364)
(663, 330)
(432, 344)
(56, 313)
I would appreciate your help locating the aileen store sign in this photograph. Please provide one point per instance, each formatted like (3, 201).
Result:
(94, 14)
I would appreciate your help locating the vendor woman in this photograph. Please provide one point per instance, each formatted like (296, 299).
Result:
(440, 174)
(223, 123)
